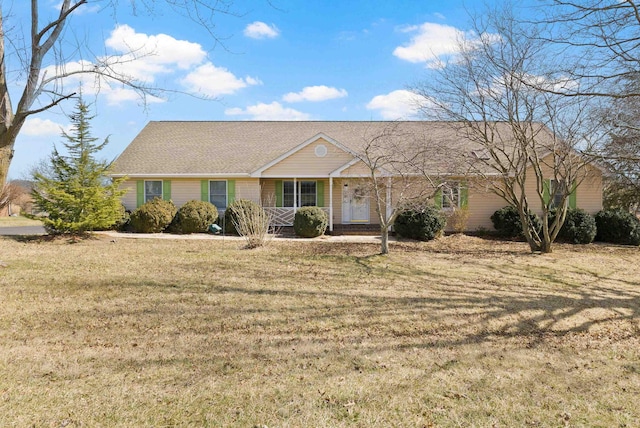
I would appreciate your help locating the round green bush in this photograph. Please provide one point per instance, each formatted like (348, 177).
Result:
(422, 224)
(153, 216)
(579, 226)
(618, 226)
(194, 217)
(310, 222)
(507, 222)
(243, 207)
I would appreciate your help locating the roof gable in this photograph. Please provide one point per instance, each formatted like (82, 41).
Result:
(313, 156)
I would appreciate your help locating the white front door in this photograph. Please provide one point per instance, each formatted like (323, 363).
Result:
(355, 205)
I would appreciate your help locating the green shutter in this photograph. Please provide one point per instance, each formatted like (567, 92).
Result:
(464, 194)
(139, 193)
(231, 191)
(278, 193)
(204, 190)
(166, 190)
(320, 193)
(572, 197)
(546, 191)
(437, 199)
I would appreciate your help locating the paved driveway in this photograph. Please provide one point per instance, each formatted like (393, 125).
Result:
(22, 230)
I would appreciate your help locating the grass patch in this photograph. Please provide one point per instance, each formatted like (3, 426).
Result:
(18, 221)
(455, 332)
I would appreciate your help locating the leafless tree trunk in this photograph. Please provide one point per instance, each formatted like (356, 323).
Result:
(400, 171)
(495, 94)
(41, 91)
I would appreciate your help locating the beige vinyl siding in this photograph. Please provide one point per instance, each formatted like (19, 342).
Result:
(129, 200)
(357, 170)
(589, 193)
(305, 162)
(187, 189)
(183, 191)
(482, 203)
(337, 200)
(268, 192)
(248, 188)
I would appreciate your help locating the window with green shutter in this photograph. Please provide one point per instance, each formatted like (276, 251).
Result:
(153, 189)
(218, 194)
(304, 193)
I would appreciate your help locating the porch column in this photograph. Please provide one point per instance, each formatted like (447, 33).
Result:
(330, 204)
(295, 195)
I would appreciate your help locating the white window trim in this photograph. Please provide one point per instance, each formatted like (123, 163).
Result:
(458, 201)
(226, 194)
(155, 196)
(297, 189)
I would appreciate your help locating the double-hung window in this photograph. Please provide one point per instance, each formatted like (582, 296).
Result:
(451, 194)
(218, 194)
(305, 193)
(559, 191)
(152, 190)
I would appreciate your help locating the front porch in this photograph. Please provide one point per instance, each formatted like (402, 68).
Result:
(344, 200)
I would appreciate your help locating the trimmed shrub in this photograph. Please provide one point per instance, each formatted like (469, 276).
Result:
(246, 207)
(153, 216)
(618, 226)
(421, 224)
(310, 222)
(194, 217)
(123, 221)
(507, 222)
(579, 226)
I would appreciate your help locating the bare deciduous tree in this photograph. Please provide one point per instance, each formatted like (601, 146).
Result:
(602, 39)
(528, 140)
(620, 151)
(403, 169)
(37, 63)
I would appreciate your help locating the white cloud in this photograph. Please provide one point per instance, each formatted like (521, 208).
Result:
(435, 42)
(400, 104)
(213, 81)
(273, 111)
(144, 56)
(36, 127)
(315, 93)
(260, 30)
(141, 58)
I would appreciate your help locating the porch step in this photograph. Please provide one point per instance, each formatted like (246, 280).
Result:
(356, 229)
(338, 229)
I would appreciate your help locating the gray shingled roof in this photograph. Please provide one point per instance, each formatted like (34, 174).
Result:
(226, 147)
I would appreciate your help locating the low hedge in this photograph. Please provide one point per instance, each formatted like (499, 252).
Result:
(153, 216)
(421, 224)
(618, 227)
(507, 222)
(194, 217)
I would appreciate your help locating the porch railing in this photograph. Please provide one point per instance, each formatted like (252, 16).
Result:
(284, 216)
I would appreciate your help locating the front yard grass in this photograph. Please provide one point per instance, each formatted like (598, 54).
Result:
(456, 332)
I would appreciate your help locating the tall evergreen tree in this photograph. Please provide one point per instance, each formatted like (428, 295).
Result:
(74, 189)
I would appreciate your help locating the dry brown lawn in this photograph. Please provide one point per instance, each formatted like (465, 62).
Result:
(18, 221)
(457, 332)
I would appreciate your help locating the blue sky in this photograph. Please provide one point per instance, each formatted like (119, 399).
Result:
(279, 60)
